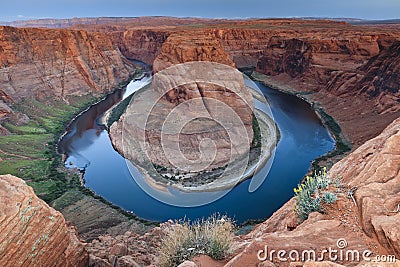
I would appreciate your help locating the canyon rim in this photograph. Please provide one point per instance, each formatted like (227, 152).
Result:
(52, 72)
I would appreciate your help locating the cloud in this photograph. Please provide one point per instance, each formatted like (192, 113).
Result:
(23, 17)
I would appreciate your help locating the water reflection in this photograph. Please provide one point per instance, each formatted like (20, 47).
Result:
(303, 138)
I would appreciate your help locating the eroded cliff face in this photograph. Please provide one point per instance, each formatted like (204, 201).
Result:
(190, 46)
(40, 63)
(379, 79)
(203, 94)
(338, 66)
(372, 172)
(32, 233)
(313, 57)
(141, 44)
(336, 59)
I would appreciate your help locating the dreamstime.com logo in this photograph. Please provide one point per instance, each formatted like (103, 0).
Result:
(340, 253)
(192, 131)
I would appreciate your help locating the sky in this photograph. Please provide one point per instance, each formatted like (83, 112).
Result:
(35, 9)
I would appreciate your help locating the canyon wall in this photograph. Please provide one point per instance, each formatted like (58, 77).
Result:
(351, 72)
(337, 58)
(200, 96)
(370, 222)
(379, 79)
(335, 65)
(143, 45)
(42, 63)
(32, 233)
(190, 46)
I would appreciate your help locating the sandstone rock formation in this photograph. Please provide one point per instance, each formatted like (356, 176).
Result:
(32, 233)
(352, 72)
(209, 100)
(342, 65)
(92, 217)
(129, 249)
(382, 78)
(189, 46)
(373, 171)
(334, 64)
(328, 63)
(42, 63)
(167, 126)
(141, 44)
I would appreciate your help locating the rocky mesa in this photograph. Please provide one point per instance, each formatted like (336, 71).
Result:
(210, 101)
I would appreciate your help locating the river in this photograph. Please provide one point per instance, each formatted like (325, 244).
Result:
(303, 138)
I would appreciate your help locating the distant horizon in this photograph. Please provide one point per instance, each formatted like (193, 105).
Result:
(197, 17)
(18, 10)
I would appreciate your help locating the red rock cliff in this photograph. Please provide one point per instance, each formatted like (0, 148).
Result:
(350, 71)
(373, 172)
(32, 233)
(140, 44)
(339, 66)
(58, 63)
(369, 223)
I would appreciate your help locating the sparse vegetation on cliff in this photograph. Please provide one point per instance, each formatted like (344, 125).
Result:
(117, 111)
(184, 240)
(314, 194)
(342, 144)
(30, 150)
(256, 142)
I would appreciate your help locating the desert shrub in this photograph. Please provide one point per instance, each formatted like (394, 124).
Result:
(330, 198)
(316, 192)
(184, 240)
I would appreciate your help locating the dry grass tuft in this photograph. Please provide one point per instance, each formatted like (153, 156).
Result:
(184, 240)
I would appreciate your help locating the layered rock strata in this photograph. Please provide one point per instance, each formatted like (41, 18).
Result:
(32, 233)
(370, 223)
(372, 173)
(209, 101)
(43, 63)
(337, 66)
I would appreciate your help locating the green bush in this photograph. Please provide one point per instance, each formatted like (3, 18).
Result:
(184, 240)
(314, 194)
